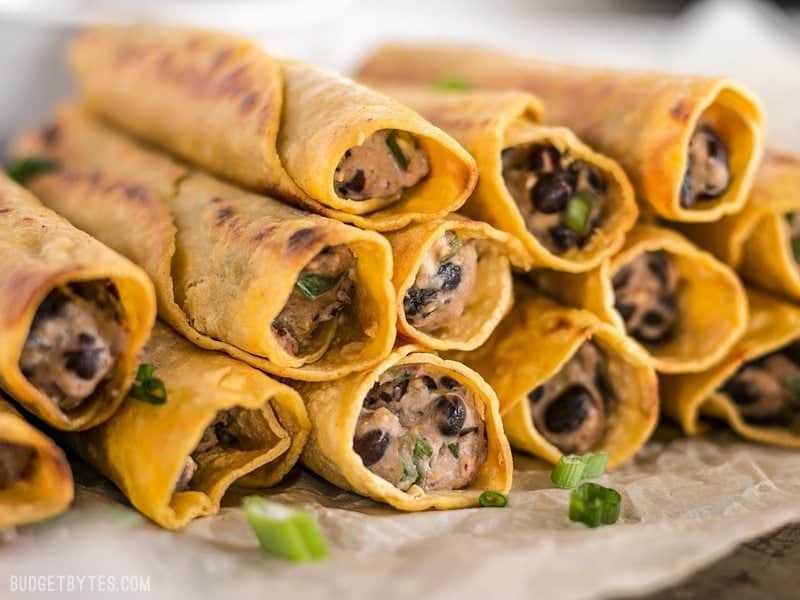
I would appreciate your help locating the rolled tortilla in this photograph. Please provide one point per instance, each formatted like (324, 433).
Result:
(652, 123)
(175, 461)
(567, 382)
(73, 315)
(333, 451)
(526, 167)
(768, 348)
(227, 264)
(683, 308)
(759, 242)
(453, 281)
(35, 478)
(270, 124)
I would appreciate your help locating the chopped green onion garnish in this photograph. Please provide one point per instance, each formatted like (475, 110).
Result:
(491, 499)
(290, 533)
(568, 471)
(796, 249)
(578, 211)
(793, 385)
(454, 449)
(594, 505)
(594, 464)
(312, 286)
(397, 152)
(23, 169)
(455, 246)
(422, 448)
(147, 387)
(452, 84)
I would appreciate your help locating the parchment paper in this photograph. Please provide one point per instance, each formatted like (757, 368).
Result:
(685, 503)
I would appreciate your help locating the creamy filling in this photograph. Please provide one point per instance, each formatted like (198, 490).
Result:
(15, 463)
(74, 342)
(323, 290)
(384, 166)
(569, 409)
(419, 426)
(768, 389)
(708, 174)
(228, 430)
(561, 198)
(444, 284)
(646, 296)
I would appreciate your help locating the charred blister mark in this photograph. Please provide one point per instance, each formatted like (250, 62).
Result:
(4, 211)
(249, 102)
(136, 192)
(302, 238)
(220, 58)
(263, 233)
(680, 111)
(50, 134)
(223, 214)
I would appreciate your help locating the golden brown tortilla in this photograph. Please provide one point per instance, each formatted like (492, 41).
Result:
(45, 488)
(142, 448)
(223, 261)
(711, 300)
(269, 124)
(642, 119)
(531, 345)
(334, 408)
(40, 251)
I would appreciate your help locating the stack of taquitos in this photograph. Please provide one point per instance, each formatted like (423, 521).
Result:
(690, 144)
(299, 132)
(286, 291)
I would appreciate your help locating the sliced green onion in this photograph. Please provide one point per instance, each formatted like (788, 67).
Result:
(594, 505)
(23, 169)
(147, 387)
(312, 286)
(454, 449)
(455, 246)
(578, 211)
(568, 471)
(489, 499)
(422, 448)
(397, 152)
(796, 249)
(594, 464)
(452, 84)
(289, 533)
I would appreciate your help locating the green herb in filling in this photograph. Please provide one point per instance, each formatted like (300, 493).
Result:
(422, 448)
(147, 387)
(23, 169)
(454, 449)
(455, 246)
(452, 84)
(312, 286)
(578, 212)
(397, 152)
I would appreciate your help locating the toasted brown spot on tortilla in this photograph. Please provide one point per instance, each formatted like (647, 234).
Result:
(135, 192)
(559, 324)
(263, 233)
(5, 210)
(223, 214)
(248, 102)
(680, 111)
(302, 237)
(51, 134)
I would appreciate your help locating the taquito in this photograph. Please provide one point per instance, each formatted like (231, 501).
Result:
(690, 143)
(223, 422)
(299, 132)
(453, 281)
(416, 432)
(568, 205)
(567, 382)
(755, 389)
(73, 315)
(762, 242)
(291, 293)
(680, 305)
(35, 478)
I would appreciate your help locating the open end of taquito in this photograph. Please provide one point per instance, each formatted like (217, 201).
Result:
(567, 382)
(416, 432)
(680, 305)
(223, 422)
(35, 478)
(74, 316)
(755, 389)
(453, 280)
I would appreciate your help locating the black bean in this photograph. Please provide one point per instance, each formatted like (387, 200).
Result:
(626, 311)
(569, 411)
(596, 181)
(544, 157)
(563, 237)
(741, 392)
(51, 305)
(536, 394)
(85, 339)
(450, 274)
(551, 192)
(653, 318)
(621, 278)
(83, 362)
(448, 382)
(417, 299)
(356, 183)
(371, 446)
(451, 413)
(792, 352)
(429, 382)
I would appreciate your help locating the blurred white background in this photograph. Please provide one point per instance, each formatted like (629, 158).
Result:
(755, 41)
